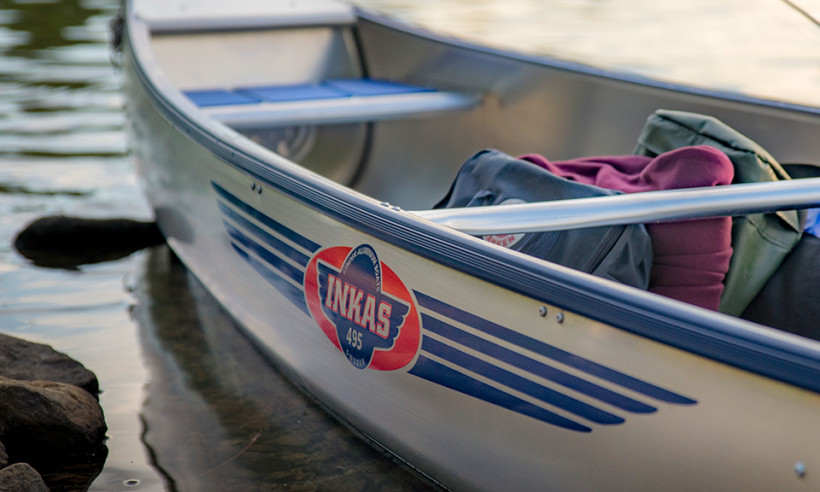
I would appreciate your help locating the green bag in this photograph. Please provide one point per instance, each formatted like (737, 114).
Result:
(760, 242)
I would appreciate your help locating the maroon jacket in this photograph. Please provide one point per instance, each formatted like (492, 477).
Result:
(691, 257)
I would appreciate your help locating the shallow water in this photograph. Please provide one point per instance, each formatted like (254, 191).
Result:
(182, 413)
(62, 151)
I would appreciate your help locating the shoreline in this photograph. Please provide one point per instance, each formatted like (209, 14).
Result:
(52, 427)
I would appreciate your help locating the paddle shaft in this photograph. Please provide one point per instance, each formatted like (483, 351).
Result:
(650, 206)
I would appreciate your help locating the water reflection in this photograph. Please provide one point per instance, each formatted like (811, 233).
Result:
(62, 152)
(45, 25)
(219, 416)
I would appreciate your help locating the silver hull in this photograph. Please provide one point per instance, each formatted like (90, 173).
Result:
(480, 367)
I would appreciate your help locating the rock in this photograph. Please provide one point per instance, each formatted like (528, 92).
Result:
(67, 242)
(21, 477)
(29, 361)
(73, 475)
(4, 458)
(48, 418)
(45, 421)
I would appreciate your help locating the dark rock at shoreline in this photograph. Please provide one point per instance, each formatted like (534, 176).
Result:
(67, 242)
(29, 361)
(42, 421)
(21, 477)
(50, 418)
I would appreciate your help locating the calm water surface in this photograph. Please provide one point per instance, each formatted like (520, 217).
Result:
(770, 48)
(182, 411)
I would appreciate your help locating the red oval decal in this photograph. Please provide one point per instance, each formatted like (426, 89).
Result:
(362, 307)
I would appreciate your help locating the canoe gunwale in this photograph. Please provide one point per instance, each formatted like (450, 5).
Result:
(764, 351)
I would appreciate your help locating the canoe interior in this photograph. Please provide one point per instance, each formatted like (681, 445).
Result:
(525, 106)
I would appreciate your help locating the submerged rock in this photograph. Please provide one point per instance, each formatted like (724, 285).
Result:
(67, 242)
(21, 477)
(44, 421)
(29, 361)
(73, 475)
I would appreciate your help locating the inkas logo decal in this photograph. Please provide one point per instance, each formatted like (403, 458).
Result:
(363, 307)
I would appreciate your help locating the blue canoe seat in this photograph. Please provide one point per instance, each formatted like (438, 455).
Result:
(326, 102)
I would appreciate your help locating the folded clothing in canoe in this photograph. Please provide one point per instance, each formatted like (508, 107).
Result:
(691, 257)
(621, 252)
(717, 263)
(760, 242)
(684, 260)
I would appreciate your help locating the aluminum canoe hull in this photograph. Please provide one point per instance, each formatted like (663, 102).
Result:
(483, 369)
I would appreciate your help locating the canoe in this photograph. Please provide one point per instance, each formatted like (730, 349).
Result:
(293, 152)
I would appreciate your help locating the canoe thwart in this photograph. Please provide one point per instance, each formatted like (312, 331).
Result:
(326, 102)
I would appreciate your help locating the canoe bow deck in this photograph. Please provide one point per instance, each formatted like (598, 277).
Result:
(281, 145)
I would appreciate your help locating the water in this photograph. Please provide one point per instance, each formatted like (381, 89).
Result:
(182, 413)
(770, 48)
(62, 150)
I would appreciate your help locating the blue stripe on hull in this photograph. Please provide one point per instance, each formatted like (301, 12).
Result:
(551, 352)
(535, 367)
(440, 374)
(264, 219)
(281, 264)
(270, 258)
(293, 293)
(263, 236)
(518, 383)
